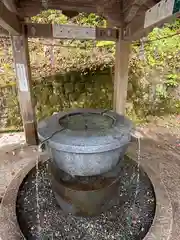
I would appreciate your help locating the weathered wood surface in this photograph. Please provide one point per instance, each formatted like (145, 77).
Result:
(9, 21)
(23, 73)
(117, 12)
(121, 75)
(135, 8)
(129, 15)
(137, 29)
(70, 32)
(10, 5)
(3, 32)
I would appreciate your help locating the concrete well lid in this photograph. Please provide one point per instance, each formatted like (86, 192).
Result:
(86, 131)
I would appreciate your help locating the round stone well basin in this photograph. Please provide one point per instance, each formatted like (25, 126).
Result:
(161, 224)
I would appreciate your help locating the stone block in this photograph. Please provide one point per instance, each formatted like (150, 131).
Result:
(69, 87)
(79, 87)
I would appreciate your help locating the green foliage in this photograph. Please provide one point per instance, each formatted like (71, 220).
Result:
(90, 20)
(155, 79)
(50, 16)
(70, 59)
(72, 90)
(83, 71)
(55, 16)
(13, 111)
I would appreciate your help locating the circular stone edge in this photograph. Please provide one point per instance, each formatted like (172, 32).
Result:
(10, 229)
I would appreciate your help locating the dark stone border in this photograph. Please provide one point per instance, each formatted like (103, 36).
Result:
(9, 230)
(161, 227)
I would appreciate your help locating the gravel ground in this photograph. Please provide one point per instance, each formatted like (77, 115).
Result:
(13, 150)
(7, 139)
(129, 218)
(159, 145)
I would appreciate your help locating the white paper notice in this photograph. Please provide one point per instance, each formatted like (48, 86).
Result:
(21, 74)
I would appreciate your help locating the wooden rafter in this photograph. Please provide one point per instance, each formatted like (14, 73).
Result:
(10, 5)
(9, 20)
(136, 8)
(140, 26)
(3, 32)
(117, 12)
(31, 8)
(129, 15)
(133, 9)
(110, 9)
(70, 32)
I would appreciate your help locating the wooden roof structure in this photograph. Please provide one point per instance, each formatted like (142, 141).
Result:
(129, 20)
(119, 13)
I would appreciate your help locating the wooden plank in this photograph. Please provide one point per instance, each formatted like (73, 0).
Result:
(111, 10)
(23, 73)
(121, 75)
(161, 13)
(9, 20)
(73, 32)
(38, 30)
(10, 4)
(131, 13)
(31, 8)
(132, 10)
(107, 34)
(136, 30)
(3, 32)
(59, 31)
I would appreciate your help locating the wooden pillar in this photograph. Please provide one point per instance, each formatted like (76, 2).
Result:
(23, 74)
(121, 75)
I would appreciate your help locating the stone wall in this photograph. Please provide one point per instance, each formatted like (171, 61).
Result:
(73, 90)
(62, 92)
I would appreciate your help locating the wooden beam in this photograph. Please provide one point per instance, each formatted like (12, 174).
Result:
(133, 9)
(121, 75)
(10, 4)
(136, 30)
(111, 10)
(9, 20)
(59, 31)
(3, 32)
(31, 8)
(154, 17)
(23, 74)
(131, 13)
